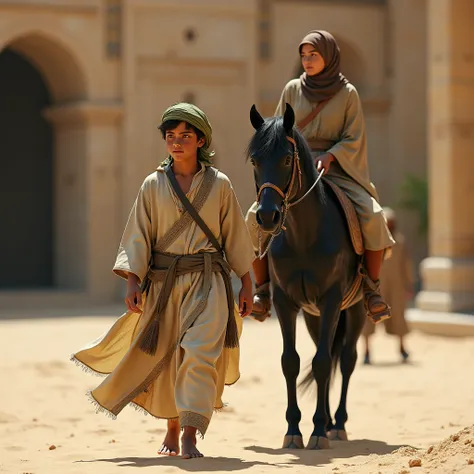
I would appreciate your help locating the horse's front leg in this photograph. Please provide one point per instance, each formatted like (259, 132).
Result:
(290, 363)
(313, 323)
(355, 320)
(322, 363)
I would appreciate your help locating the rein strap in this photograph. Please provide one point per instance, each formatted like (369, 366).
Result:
(296, 171)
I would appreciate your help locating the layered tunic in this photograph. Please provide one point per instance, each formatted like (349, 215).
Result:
(341, 125)
(184, 380)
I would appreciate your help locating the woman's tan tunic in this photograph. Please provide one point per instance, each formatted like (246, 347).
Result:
(191, 385)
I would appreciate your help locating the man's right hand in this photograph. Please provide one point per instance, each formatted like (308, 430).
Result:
(133, 299)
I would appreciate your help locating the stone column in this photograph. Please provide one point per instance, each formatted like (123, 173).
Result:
(448, 274)
(87, 196)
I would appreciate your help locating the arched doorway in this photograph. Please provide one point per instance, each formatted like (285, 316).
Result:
(40, 74)
(82, 154)
(26, 193)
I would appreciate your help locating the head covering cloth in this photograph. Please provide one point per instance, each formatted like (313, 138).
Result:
(184, 112)
(330, 80)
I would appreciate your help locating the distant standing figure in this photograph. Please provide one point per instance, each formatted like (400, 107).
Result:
(396, 286)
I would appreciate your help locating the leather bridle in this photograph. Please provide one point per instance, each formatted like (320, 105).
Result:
(286, 205)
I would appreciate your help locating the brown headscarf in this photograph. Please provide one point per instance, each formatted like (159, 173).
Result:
(330, 80)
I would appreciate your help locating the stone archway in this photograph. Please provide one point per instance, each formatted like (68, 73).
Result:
(26, 157)
(36, 74)
(85, 172)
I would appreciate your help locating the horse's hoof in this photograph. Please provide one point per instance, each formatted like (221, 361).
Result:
(338, 435)
(318, 442)
(293, 442)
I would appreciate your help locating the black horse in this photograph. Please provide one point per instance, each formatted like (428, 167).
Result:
(312, 264)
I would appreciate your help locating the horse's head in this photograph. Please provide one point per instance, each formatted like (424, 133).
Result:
(272, 151)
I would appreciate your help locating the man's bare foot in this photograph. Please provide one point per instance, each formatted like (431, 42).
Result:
(188, 443)
(170, 446)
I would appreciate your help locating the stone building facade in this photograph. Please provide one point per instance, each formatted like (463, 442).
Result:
(85, 82)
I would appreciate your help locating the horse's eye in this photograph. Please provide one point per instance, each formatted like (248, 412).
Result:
(252, 161)
(288, 160)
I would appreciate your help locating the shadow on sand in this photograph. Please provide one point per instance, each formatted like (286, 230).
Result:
(339, 449)
(206, 464)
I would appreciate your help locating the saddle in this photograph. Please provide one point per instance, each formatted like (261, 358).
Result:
(351, 217)
(354, 292)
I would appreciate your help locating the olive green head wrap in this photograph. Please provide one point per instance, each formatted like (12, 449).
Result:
(193, 115)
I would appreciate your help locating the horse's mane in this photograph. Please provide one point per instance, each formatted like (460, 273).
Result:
(271, 137)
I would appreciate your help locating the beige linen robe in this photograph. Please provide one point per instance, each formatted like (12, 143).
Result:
(340, 121)
(189, 386)
(396, 279)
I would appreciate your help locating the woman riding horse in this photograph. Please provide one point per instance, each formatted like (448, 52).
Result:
(329, 115)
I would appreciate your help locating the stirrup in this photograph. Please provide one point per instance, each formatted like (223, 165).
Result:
(261, 302)
(371, 291)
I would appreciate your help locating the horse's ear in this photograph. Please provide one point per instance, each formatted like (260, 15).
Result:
(288, 118)
(255, 118)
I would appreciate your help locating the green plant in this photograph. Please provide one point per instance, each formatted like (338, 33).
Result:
(414, 197)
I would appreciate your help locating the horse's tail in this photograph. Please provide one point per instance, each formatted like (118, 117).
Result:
(336, 351)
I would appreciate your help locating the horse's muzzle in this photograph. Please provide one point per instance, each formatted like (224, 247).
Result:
(268, 217)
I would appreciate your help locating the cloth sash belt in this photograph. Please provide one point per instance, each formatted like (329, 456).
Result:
(166, 268)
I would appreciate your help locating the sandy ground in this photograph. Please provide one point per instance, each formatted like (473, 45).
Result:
(396, 412)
